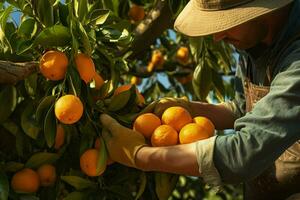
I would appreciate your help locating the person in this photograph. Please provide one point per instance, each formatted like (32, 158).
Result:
(264, 151)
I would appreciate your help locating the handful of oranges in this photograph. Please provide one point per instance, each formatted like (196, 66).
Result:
(176, 126)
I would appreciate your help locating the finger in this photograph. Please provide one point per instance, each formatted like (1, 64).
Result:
(107, 120)
(112, 125)
(106, 134)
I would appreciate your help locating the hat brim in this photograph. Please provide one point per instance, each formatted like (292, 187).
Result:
(193, 21)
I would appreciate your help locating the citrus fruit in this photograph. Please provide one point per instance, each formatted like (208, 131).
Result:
(164, 135)
(182, 55)
(98, 81)
(136, 13)
(25, 181)
(85, 66)
(157, 59)
(88, 162)
(176, 117)
(68, 109)
(206, 123)
(53, 65)
(47, 174)
(146, 124)
(193, 132)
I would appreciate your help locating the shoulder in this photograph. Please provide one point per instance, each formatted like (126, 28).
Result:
(290, 58)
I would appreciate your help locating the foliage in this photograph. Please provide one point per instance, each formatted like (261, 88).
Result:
(102, 30)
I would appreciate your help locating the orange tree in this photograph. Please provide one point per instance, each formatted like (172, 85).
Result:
(62, 64)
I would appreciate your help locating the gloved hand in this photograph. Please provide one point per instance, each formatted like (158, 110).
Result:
(122, 143)
(159, 106)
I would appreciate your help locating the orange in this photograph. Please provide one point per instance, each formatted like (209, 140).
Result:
(182, 55)
(68, 109)
(47, 174)
(25, 181)
(206, 123)
(177, 117)
(146, 124)
(164, 135)
(157, 59)
(88, 162)
(60, 137)
(136, 13)
(85, 66)
(97, 146)
(193, 132)
(135, 80)
(150, 67)
(98, 81)
(53, 65)
(123, 88)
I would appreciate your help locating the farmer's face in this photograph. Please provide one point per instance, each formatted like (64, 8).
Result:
(244, 36)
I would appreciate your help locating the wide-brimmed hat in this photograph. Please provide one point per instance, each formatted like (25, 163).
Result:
(205, 17)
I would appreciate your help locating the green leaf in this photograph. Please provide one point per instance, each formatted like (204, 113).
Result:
(219, 86)
(85, 40)
(41, 158)
(76, 196)
(119, 101)
(8, 102)
(112, 5)
(165, 184)
(28, 122)
(4, 186)
(43, 108)
(28, 28)
(81, 9)
(196, 46)
(45, 12)
(31, 84)
(78, 182)
(102, 160)
(13, 166)
(56, 35)
(74, 81)
(4, 42)
(99, 16)
(143, 182)
(202, 81)
(11, 126)
(50, 127)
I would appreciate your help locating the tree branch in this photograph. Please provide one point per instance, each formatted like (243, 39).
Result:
(156, 22)
(11, 73)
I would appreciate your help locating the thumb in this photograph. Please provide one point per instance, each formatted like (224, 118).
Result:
(107, 120)
(111, 124)
(106, 135)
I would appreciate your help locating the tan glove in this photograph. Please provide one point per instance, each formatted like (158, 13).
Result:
(122, 143)
(159, 106)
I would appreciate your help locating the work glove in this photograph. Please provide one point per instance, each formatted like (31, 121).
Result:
(159, 106)
(122, 143)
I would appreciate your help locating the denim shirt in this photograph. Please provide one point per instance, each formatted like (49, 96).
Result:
(273, 125)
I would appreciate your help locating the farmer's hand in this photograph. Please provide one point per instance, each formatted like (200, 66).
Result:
(159, 106)
(122, 143)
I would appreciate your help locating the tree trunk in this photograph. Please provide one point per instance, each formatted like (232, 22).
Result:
(11, 73)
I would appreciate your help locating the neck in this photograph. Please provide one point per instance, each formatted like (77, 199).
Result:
(275, 23)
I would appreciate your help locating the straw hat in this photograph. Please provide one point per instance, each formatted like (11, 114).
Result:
(205, 17)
